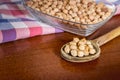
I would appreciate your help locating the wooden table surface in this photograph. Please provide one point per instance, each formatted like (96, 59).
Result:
(38, 58)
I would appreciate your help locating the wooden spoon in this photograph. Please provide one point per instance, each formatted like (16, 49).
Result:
(96, 43)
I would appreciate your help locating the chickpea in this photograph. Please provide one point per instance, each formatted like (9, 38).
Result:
(94, 14)
(90, 4)
(78, 5)
(60, 3)
(84, 14)
(91, 17)
(52, 13)
(74, 14)
(99, 20)
(49, 3)
(60, 16)
(85, 6)
(108, 13)
(73, 47)
(55, 3)
(82, 10)
(92, 51)
(98, 10)
(97, 16)
(83, 20)
(68, 7)
(88, 42)
(89, 12)
(37, 9)
(78, 1)
(77, 19)
(88, 20)
(69, 17)
(86, 51)
(104, 17)
(85, 2)
(82, 42)
(44, 1)
(95, 21)
(65, 11)
(80, 53)
(79, 12)
(50, 8)
(72, 43)
(59, 6)
(76, 40)
(90, 46)
(65, 2)
(92, 10)
(54, 6)
(56, 10)
(75, 9)
(81, 47)
(72, 2)
(74, 53)
(86, 17)
(70, 12)
(47, 10)
(46, 6)
(42, 9)
(50, 0)
(67, 49)
(81, 17)
(64, 16)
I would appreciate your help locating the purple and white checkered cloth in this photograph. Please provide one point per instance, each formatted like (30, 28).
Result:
(16, 23)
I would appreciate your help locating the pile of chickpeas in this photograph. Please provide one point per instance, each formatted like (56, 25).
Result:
(80, 11)
(79, 48)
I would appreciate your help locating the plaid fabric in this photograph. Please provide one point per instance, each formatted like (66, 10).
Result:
(16, 23)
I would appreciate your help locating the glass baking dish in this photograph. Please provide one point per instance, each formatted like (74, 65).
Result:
(73, 27)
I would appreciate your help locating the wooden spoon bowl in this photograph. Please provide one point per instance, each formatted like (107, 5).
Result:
(96, 43)
(91, 57)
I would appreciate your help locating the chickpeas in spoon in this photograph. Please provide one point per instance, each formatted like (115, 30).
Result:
(82, 50)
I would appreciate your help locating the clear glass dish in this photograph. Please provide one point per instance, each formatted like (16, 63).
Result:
(73, 27)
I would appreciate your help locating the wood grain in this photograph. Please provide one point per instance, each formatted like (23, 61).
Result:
(38, 58)
(108, 36)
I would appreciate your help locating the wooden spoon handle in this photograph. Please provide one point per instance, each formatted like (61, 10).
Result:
(109, 36)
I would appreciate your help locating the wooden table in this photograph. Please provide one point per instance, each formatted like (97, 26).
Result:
(38, 58)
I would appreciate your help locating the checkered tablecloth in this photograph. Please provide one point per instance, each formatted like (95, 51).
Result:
(16, 23)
